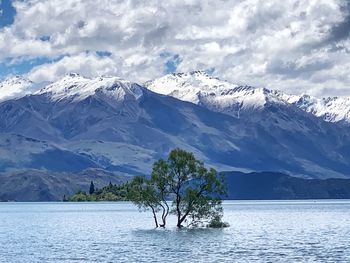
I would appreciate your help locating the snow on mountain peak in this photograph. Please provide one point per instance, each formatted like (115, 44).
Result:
(185, 83)
(200, 88)
(15, 87)
(197, 87)
(77, 87)
(331, 109)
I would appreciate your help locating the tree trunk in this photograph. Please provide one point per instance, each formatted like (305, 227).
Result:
(163, 216)
(155, 216)
(181, 219)
(178, 212)
(165, 213)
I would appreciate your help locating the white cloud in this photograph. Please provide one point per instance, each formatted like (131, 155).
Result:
(91, 65)
(85, 64)
(280, 44)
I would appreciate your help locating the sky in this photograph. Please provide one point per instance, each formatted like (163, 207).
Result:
(298, 46)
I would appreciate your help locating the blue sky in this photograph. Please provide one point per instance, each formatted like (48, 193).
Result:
(7, 13)
(171, 63)
(22, 66)
(295, 46)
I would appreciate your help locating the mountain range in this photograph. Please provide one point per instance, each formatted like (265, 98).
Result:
(200, 88)
(108, 123)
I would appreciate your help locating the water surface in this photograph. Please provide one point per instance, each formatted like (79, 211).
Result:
(260, 231)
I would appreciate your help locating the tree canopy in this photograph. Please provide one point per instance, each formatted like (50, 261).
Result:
(193, 191)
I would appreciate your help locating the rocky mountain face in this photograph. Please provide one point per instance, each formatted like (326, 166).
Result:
(108, 123)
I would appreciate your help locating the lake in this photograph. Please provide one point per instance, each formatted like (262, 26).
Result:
(260, 231)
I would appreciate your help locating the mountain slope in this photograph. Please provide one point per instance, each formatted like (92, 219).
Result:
(41, 185)
(18, 152)
(121, 126)
(272, 112)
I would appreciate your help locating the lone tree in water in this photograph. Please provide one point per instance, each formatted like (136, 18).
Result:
(195, 191)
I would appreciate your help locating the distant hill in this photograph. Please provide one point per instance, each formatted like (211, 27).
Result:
(272, 186)
(36, 185)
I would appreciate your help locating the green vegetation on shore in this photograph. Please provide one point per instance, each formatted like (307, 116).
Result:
(110, 192)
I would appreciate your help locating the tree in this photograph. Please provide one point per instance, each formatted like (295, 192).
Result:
(92, 188)
(195, 190)
(142, 193)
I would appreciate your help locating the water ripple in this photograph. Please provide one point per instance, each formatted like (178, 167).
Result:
(261, 231)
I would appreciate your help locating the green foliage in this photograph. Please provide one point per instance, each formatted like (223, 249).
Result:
(216, 222)
(195, 190)
(79, 197)
(144, 194)
(107, 193)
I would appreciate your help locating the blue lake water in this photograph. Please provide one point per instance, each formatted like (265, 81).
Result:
(260, 231)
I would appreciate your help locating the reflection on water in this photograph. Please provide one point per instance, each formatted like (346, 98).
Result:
(261, 231)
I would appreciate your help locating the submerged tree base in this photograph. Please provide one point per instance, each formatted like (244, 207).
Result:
(217, 223)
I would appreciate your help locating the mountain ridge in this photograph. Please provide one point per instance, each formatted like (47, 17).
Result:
(121, 126)
(202, 89)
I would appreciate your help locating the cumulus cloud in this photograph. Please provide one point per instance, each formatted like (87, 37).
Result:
(296, 45)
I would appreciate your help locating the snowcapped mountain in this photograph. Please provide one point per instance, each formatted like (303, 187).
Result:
(116, 125)
(77, 88)
(269, 108)
(200, 88)
(197, 87)
(15, 87)
(121, 126)
(56, 139)
(108, 120)
(331, 109)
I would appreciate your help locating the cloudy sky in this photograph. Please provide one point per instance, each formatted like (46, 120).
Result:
(296, 45)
